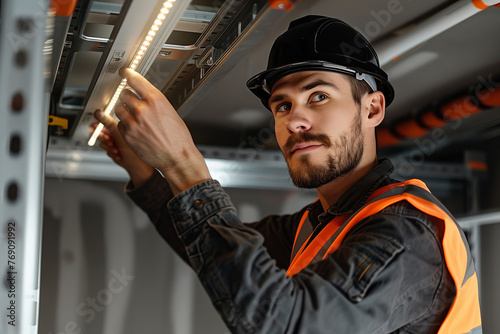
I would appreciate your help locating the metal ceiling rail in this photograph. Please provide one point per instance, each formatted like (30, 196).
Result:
(226, 35)
(478, 219)
(24, 64)
(263, 171)
(236, 169)
(78, 41)
(127, 38)
(247, 24)
(394, 46)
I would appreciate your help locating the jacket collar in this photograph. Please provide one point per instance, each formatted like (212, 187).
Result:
(356, 196)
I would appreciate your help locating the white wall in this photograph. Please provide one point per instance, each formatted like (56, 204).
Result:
(489, 200)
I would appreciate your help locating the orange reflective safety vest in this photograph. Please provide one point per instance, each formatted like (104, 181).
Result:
(464, 314)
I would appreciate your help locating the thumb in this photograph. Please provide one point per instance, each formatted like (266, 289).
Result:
(108, 121)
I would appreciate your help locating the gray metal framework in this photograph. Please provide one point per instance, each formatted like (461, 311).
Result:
(24, 64)
(263, 170)
(184, 73)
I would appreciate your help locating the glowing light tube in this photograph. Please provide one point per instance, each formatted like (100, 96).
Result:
(141, 51)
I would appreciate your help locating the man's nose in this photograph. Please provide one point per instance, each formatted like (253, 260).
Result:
(298, 120)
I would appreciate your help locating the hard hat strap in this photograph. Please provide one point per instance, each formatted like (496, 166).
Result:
(291, 68)
(369, 79)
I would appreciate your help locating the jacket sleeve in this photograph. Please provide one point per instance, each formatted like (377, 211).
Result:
(152, 198)
(154, 195)
(384, 276)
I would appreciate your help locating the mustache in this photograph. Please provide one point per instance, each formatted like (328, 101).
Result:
(301, 137)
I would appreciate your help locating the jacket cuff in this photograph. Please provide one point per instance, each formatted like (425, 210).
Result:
(152, 194)
(198, 203)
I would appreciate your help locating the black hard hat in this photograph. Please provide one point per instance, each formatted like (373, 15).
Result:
(319, 43)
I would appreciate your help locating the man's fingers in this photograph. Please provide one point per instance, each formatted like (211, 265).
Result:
(105, 119)
(142, 86)
(94, 125)
(106, 140)
(108, 147)
(130, 99)
(124, 114)
(121, 128)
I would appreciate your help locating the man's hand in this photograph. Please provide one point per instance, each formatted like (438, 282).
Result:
(112, 142)
(152, 128)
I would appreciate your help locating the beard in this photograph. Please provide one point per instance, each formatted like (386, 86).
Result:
(348, 150)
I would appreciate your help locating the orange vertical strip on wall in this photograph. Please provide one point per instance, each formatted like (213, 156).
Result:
(64, 7)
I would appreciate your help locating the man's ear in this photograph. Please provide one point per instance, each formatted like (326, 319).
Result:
(375, 104)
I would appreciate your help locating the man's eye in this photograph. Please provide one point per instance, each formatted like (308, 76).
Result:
(319, 97)
(282, 107)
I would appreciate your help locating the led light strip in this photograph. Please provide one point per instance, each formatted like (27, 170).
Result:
(167, 5)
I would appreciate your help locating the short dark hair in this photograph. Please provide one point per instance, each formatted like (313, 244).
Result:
(359, 88)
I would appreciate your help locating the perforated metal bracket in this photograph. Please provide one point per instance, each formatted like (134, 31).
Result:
(24, 64)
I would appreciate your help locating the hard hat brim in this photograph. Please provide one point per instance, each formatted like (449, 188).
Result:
(262, 83)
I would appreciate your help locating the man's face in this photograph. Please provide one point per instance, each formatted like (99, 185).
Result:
(318, 126)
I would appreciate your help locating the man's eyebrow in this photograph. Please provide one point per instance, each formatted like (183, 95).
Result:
(277, 98)
(317, 83)
(305, 88)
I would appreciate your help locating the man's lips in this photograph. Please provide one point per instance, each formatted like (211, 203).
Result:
(304, 147)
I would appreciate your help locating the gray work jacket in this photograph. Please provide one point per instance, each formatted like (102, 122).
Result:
(243, 266)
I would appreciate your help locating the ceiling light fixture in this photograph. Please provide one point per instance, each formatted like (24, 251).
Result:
(146, 53)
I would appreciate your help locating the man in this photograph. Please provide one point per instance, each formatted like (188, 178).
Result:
(371, 255)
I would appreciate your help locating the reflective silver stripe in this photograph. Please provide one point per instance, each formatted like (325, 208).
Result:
(477, 330)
